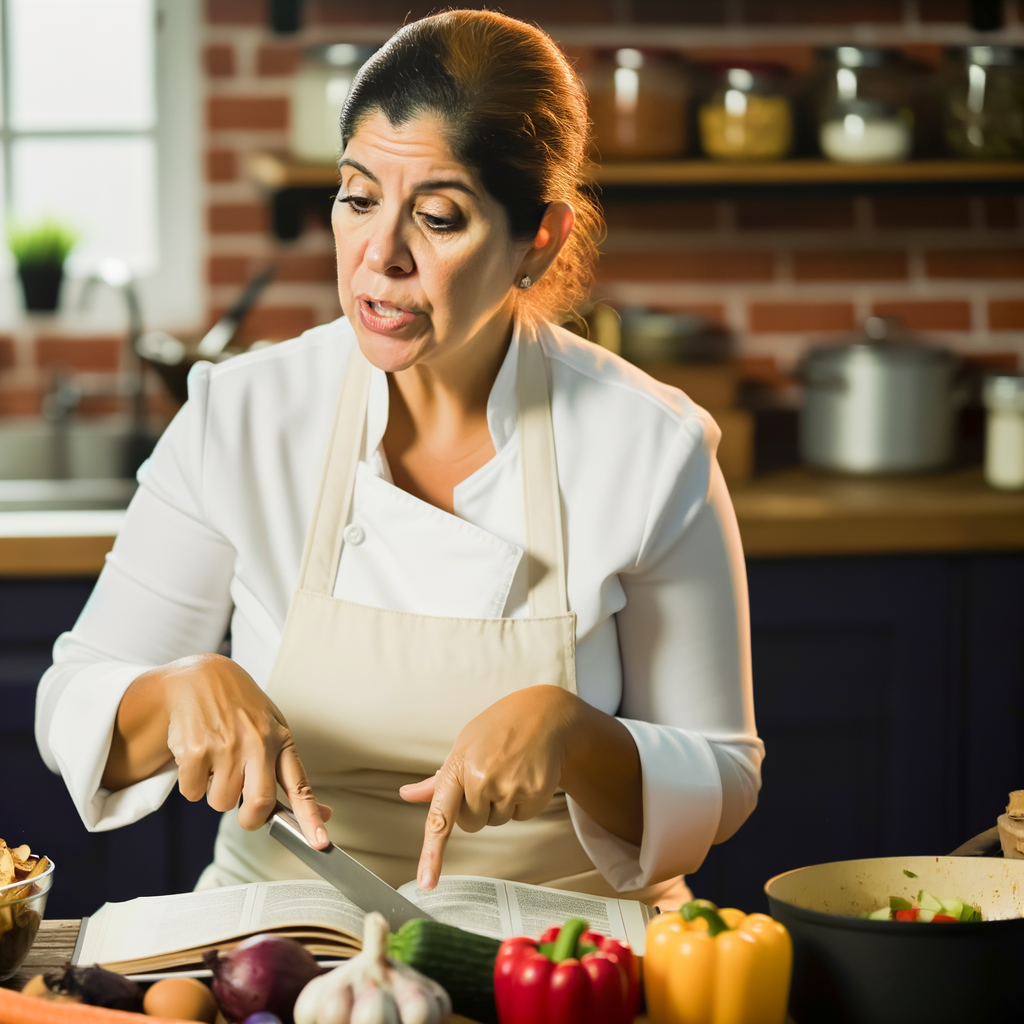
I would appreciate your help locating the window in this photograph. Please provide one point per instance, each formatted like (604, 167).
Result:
(99, 127)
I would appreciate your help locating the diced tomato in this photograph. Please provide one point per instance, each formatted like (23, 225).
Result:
(945, 919)
(907, 915)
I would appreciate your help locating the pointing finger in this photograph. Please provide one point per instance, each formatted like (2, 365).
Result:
(444, 809)
(295, 783)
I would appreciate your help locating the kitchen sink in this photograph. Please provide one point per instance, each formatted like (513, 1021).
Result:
(70, 465)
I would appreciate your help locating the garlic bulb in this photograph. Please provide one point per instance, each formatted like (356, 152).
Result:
(371, 988)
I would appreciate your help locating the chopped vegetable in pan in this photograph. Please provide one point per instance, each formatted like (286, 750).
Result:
(927, 908)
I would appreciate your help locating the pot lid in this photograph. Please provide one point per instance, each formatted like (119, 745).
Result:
(883, 338)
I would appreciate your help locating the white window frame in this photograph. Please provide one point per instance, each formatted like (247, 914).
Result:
(173, 296)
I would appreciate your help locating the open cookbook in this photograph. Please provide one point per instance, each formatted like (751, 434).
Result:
(156, 934)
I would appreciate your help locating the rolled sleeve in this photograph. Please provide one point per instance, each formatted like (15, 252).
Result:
(682, 797)
(164, 593)
(687, 698)
(78, 739)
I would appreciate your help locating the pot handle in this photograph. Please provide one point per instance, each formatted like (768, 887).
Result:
(960, 394)
(985, 845)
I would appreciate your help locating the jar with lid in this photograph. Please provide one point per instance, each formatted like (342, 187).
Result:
(748, 116)
(318, 94)
(865, 109)
(1004, 432)
(984, 102)
(638, 103)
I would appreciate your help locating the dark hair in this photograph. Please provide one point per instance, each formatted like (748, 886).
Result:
(515, 112)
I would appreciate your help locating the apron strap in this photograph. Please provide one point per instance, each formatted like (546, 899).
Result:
(545, 546)
(322, 557)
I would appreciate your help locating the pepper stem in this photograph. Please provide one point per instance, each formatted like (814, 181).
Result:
(568, 939)
(702, 908)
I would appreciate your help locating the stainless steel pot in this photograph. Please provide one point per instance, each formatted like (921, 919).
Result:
(879, 407)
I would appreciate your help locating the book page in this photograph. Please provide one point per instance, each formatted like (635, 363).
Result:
(305, 902)
(153, 925)
(490, 906)
(475, 904)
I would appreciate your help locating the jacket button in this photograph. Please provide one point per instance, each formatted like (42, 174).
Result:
(354, 534)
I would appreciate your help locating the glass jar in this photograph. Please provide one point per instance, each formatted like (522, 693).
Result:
(748, 115)
(638, 103)
(865, 112)
(1004, 432)
(984, 102)
(318, 94)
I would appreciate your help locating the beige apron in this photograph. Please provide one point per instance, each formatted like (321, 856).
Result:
(376, 698)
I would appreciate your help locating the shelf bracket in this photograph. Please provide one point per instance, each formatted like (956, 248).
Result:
(291, 207)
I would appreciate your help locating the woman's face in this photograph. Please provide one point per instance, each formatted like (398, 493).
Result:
(426, 264)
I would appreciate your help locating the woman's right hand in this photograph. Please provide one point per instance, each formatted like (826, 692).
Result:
(225, 735)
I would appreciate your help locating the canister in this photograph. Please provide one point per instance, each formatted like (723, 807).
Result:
(1004, 432)
(319, 90)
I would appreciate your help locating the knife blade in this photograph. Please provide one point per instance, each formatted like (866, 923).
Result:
(344, 872)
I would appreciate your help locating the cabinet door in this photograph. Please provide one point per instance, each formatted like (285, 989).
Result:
(162, 853)
(855, 693)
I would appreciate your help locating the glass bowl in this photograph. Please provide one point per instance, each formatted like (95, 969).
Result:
(21, 910)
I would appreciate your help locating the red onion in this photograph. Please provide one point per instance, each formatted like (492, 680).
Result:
(264, 973)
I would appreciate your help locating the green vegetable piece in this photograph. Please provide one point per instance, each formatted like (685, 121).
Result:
(909, 874)
(459, 961)
(927, 915)
(926, 901)
(882, 914)
(953, 907)
(898, 903)
(970, 913)
(568, 939)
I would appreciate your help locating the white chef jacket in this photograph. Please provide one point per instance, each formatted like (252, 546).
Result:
(655, 571)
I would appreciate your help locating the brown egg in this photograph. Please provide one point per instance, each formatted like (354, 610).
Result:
(181, 999)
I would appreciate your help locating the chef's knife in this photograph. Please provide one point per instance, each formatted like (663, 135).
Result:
(345, 873)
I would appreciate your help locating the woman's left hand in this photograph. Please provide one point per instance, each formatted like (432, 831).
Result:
(509, 761)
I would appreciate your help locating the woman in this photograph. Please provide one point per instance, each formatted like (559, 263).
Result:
(521, 599)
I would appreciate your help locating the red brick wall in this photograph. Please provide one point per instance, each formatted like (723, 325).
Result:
(778, 272)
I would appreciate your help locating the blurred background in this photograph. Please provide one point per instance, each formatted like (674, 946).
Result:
(815, 228)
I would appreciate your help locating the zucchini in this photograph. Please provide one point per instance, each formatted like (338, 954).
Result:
(460, 962)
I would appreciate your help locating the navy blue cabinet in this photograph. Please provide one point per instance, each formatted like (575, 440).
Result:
(164, 852)
(889, 692)
(890, 695)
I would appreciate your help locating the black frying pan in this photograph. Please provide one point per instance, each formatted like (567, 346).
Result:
(850, 971)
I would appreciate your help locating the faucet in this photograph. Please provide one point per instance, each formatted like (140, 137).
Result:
(66, 392)
(115, 274)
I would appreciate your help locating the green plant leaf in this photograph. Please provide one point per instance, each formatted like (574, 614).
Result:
(46, 242)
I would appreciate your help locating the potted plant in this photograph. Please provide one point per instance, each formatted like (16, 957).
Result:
(40, 250)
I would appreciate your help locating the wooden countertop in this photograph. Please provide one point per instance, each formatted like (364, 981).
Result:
(802, 512)
(52, 949)
(797, 512)
(57, 543)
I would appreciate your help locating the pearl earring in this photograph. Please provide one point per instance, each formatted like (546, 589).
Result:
(526, 282)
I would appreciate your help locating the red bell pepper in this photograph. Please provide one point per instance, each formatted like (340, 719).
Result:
(569, 976)
(907, 915)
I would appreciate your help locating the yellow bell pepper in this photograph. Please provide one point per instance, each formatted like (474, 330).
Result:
(709, 966)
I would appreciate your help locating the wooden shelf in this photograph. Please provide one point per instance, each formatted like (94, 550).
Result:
(806, 172)
(277, 171)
